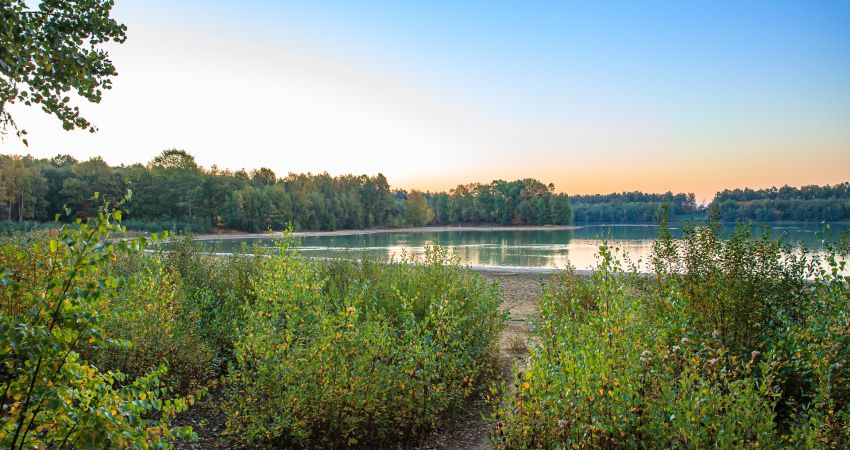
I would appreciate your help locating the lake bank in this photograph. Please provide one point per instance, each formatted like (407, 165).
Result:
(438, 229)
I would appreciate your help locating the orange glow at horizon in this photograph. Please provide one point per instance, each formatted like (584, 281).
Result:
(235, 99)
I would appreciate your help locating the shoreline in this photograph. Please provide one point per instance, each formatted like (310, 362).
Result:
(499, 271)
(496, 271)
(439, 229)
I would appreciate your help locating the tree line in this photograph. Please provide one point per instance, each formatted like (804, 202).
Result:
(173, 191)
(520, 202)
(787, 203)
(807, 203)
(633, 207)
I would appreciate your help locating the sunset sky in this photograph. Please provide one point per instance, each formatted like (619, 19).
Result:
(595, 96)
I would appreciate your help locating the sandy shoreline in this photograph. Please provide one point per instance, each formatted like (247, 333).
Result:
(224, 237)
(498, 271)
(495, 271)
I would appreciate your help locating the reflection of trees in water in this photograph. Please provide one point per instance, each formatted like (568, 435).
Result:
(534, 248)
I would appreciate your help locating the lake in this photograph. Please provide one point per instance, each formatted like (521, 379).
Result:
(538, 248)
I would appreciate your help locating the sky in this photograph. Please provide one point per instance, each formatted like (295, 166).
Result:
(595, 97)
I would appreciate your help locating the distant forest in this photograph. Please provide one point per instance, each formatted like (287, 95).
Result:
(805, 204)
(633, 207)
(172, 191)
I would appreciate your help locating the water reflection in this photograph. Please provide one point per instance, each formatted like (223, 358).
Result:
(528, 248)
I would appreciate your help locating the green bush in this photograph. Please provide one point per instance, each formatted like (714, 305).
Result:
(55, 292)
(740, 343)
(349, 354)
(215, 288)
(8, 227)
(151, 312)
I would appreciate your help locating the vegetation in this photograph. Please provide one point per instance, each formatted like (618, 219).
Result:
(807, 203)
(50, 50)
(103, 345)
(633, 207)
(359, 355)
(730, 343)
(742, 343)
(173, 192)
(804, 204)
(520, 202)
(54, 294)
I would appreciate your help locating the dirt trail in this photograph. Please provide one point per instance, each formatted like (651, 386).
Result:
(521, 295)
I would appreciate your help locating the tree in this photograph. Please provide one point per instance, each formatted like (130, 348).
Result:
(11, 173)
(263, 176)
(418, 212)
(48, 52)
(174, 159)
(86, 178)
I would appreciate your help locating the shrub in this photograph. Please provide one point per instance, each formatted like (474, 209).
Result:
(215, 288)
(348, 354)
(151, 312)
(9, 227)
(54, 397)
(739, 343)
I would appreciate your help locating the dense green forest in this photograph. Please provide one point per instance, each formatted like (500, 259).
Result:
(632, 207)
(808, 203)
(517, 202)
(804, 204)
(172, 191)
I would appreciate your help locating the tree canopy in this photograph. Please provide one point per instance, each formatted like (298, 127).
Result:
(632, 207)
(52, 51)
(172, 190)
(787, 203)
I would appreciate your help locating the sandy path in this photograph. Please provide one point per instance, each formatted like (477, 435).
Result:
(521, 292)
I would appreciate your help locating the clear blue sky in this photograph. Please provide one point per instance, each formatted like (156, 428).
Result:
(594, 95)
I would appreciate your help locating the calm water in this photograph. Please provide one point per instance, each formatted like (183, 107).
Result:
(538, 248)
